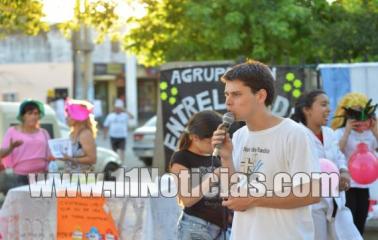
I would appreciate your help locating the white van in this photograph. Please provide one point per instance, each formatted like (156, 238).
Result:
(107, 160)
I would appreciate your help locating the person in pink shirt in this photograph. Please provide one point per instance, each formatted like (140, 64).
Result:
(31, 153)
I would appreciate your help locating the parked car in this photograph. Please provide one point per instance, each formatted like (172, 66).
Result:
(144, 141)
(107, 160)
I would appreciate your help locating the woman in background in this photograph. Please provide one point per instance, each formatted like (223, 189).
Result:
(355, 122)
(203, 217)
(25, 146)
(332, 220)
(83, 134)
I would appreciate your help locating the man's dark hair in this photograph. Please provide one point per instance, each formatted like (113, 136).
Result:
(255, 75)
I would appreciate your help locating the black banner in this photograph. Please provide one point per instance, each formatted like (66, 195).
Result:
(185, 91)
(289, 85)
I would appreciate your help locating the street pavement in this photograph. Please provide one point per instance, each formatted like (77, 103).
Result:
(130, 161)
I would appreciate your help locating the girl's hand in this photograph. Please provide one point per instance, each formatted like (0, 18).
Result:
(350, 124)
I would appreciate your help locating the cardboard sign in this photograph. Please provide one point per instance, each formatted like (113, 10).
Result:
(84, 218)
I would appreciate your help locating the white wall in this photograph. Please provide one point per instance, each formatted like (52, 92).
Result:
(33, 80)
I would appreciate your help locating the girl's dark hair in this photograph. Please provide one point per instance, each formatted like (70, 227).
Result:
(201, 124)
(29, 107)
(305, 101)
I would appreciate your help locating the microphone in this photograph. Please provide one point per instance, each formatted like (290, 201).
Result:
(228, 119)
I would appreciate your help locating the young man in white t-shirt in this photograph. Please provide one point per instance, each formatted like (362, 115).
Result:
(269, 145)
(116, 125)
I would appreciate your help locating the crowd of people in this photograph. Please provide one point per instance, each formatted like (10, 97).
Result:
(285, 146)
(25, 146)
(289, 145)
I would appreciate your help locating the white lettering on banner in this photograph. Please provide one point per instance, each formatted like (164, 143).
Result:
(178, 110)
(281, 106)
(217, 105)
(174, 126)
(188, 103)
(186, 76)
(198, 74)
(175, 77)
(182, 112)
(203, 100)
(170, 141)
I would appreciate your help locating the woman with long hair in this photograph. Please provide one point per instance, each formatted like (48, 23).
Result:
(203, 216)
(332, 220)
(83, 134)
(25, 146)
(355, 122)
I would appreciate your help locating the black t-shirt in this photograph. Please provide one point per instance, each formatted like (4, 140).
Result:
(209, 209)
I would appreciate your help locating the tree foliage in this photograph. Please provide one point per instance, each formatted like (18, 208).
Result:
(26, 16)
(97, 14)
(21, 16)
(274, 31)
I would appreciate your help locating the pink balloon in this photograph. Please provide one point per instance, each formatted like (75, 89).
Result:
(329, 184)
(363, 165)
(328, 166)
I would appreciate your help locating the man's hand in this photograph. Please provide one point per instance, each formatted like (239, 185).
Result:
(221, 137)
(239, 204)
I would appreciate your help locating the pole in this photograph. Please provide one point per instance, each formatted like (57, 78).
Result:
(88, 47)
(76, 59)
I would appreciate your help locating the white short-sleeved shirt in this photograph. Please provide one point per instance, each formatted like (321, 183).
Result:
(282, 148)
(353, 140)
(117, 124)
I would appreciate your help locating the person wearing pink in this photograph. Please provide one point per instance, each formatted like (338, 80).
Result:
(83, 135)
(31, 153)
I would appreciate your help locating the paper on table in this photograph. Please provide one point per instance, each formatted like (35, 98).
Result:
(59, 146)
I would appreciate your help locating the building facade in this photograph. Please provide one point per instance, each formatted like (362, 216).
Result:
(41, 67)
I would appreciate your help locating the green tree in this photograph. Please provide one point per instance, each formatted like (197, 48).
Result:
(350, 31)
(273, 31)
(26, 17)
(21, 16)
(98, 14)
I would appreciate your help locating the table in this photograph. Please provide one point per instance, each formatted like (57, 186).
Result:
(25, 217)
